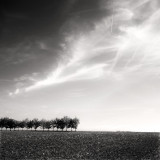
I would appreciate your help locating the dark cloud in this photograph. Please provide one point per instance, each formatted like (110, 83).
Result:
(32, 32)
(39, 19)
(26, 58)
(84, 15)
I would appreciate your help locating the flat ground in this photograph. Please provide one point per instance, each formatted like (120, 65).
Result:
(79, 145)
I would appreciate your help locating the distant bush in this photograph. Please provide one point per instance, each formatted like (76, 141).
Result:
(59, 123)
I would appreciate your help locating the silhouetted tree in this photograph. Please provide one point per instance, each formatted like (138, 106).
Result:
(42, 124)
(2, 123)
(61, 124)
(26, 120)
(71, 125)
(15, 124)
(36, 123)
(10, 123)
(75, 123)
(53, 124)
(21, 124)
(29, 124)
(66, 120)
(48, 125)
(6, 119)
(57, 123)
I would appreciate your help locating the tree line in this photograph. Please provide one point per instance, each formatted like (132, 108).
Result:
(57, 123)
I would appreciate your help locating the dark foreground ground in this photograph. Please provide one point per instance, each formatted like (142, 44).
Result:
(79, 145)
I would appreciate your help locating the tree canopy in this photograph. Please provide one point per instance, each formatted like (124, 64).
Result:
(59, 123)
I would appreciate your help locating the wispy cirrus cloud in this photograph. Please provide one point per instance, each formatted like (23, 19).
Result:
(116, 45)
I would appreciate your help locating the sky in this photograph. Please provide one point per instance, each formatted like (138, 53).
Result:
(95, 60)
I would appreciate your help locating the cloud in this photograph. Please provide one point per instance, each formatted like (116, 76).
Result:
(17, 91)
(23, 81)
(81, 74)
(115, 45)
(27, 77)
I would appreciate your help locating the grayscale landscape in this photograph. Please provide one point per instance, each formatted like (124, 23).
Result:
(80, 79)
